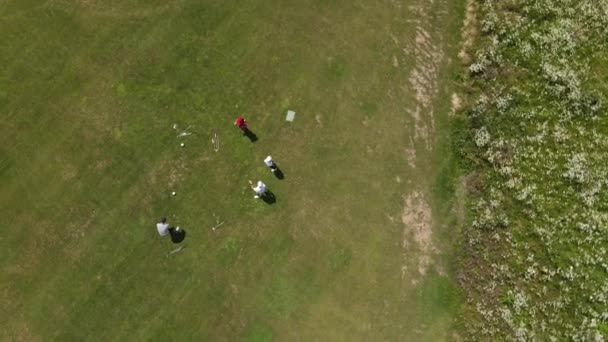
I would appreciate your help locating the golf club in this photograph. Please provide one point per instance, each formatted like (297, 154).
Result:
(178, 249)
(184, 132)
(217, 225)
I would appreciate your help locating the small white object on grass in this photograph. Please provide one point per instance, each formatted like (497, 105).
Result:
(182, 144)
(183, 133)
(290, 115)
(173, 193)
(216, 142)
(217, 226)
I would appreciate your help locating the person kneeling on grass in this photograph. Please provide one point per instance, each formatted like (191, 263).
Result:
(259, 188)
(163, 228)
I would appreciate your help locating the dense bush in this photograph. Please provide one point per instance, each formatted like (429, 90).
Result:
(536, 249)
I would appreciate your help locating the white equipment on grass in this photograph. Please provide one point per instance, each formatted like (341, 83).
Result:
(216, 142)
(290, 115)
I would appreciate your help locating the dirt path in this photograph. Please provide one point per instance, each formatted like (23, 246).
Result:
(428, 53)
(424, 261)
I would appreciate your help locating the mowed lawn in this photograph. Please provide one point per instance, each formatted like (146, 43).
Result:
(89, 93)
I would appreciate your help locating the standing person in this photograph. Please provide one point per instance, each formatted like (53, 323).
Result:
(241, 123)
(271, 164)
(259, 188)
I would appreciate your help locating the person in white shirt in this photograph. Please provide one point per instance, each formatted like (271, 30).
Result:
(259, 188)
(163, 228)
(270, 163)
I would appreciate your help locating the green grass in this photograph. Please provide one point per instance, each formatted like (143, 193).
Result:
(89, 91)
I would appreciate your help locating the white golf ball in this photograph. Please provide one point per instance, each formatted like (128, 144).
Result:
(173, 193)
(182, 144)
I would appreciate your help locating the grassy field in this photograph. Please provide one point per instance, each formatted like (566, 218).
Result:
(356, 246)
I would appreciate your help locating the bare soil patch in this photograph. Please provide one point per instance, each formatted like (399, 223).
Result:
(469, 31)
(418, 221)
(424, 81)
(456, 103)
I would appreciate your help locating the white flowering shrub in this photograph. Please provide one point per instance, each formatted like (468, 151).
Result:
(477, 68)
(482, 137)
(576, 168)
(537, 241)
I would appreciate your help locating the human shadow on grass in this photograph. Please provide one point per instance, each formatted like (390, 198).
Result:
(249, 134)
(269, 197)
(278, 173)
(177, 236)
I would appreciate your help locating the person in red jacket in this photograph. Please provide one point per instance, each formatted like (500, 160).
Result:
(241, 123)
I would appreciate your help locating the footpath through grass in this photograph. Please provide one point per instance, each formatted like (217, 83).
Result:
(89, 93)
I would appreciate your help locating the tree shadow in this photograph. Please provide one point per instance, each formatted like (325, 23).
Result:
(278, 173)
(177, 236)
(249, 134)
(269, 197)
